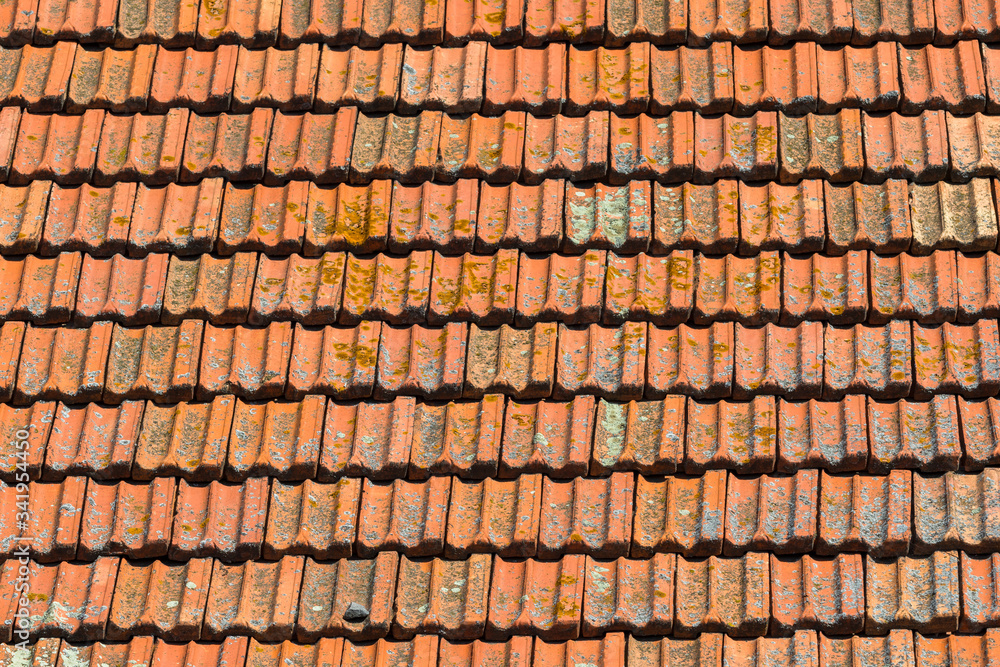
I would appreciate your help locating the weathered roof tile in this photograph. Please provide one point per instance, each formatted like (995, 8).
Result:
(867, 513)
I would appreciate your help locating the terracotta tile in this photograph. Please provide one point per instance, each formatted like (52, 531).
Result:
(49, 147)
(221, 520)
(896, 647)
(228, 145)
(696, 217)
(88, 23)
(865, 513)
(947, 215)
(347, 218)
(910, 147)
(312, 519)
(536, 598)
(979, 604)
(910, 434)
(634, 596)
(200, 80)
(825, 147)
(446, 79)
(93, 220)
(461, 439)
(564, 147)
(179, 219)
(252, 24)
(687, 360)
(728, 147)
(187, 440)
(275, 439)
(392, 652)
(858, 77)
(868, 217)
(781, 217)
(679, 514)
(520, 79)
(422, 361)
(991, 61)
(773, 513)
(447, 598)
(645, 437)
(62, 364)
(24, 216)
(913, 593)
(742, 289)
(949, 512)
(706, 649)
(433, 216)
(311, 21)
(42, 291)
(18, 24)
(548, 437)
(479, 147)
(110, 79)
(52, 528)
(254, 598)
(155, 144)
(528, 217)
(918, 288)
(265, 219)
(956, 359)
(949, 78)
(826, 594)
(977, 651)
(650, 148)
(867, 360)
(37, 78)
(561, 288)
(231, 651)
(516, 362)
(42, 653)
(298, 288)
(608, 217)
(904, 21)
(728, 595)
(90, 440)
(272, 78)
(494, 516)
(563, 20)
(980, 433)
(740, 21)
(974, 149)
(606, 361)
(392, 289)
(118, 289)
(156, 363)
(162, 599)
(494, 21)
(586, 516)
(779, 360)
(334, 360)
(310, 147)
(800, 647)
(691, 79)
(659, 22)
(824, 21)
(408, 517)
(477, 288)
(832, 436)
(250, 363)
(407, 21)
(370, 440)
(209, 288)
(11, 338)
(156, 21)
(395, 147)
(606, 652)
(368, 79)
(324, 651)
(773, 79)
(71, 600)
(25, 459)
(642, 287)
(329, 588)
(734, 436)
(833, 289)
(126, 519)
(608, 79)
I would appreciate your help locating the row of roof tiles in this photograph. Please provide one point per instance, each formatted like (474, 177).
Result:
(266, 22)
(425, 287)
(347, 146)
(899, 648)
(486, 597)
(726, 217)
(963, 78)
(316, 439)
(174, 363)
(531, 515)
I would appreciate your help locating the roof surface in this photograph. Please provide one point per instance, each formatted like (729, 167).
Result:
(440, 333)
